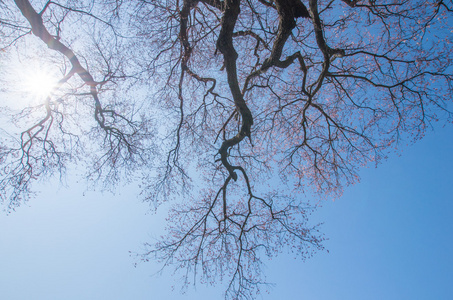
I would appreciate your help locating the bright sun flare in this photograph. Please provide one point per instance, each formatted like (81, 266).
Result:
(39, 83)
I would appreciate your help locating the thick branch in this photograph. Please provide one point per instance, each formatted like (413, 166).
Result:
(38, 29)
(225, 46)
(288, 12)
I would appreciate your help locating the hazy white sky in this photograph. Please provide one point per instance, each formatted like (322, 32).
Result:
(390, 237)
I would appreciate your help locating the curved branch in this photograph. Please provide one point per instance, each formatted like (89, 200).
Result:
(225, 46)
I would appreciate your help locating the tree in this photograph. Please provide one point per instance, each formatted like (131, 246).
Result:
(231, 109)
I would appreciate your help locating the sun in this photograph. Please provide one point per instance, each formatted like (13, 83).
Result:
(39, 82)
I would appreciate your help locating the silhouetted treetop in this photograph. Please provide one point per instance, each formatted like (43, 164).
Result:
(235, 111)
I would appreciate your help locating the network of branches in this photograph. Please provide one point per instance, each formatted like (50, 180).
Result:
(235, 111)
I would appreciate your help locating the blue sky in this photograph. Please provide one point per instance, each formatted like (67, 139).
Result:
(390, 237)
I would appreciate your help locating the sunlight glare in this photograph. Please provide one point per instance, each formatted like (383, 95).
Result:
(40, 83)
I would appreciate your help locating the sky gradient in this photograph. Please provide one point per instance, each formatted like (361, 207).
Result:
(390, 237)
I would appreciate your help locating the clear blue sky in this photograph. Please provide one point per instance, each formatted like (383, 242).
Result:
(390, 237)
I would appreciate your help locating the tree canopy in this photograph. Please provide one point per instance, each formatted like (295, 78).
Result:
(232, 110)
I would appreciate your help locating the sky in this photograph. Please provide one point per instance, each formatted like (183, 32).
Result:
(390, 237)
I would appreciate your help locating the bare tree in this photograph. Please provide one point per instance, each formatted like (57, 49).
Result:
(232, 109)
